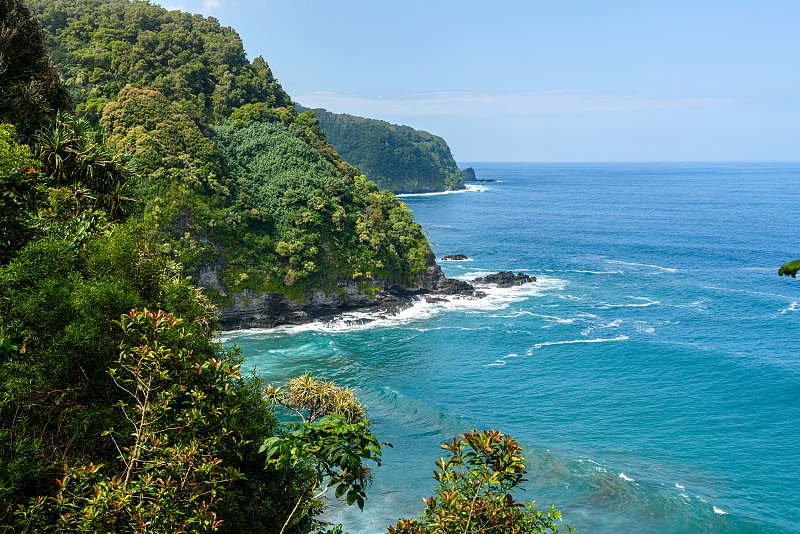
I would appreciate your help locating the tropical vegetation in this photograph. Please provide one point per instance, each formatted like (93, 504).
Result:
(398, 158)
(119, 411)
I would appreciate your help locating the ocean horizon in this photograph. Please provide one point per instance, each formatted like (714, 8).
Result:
(651, 372)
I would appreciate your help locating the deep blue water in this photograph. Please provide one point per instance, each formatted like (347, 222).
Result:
(652, 373)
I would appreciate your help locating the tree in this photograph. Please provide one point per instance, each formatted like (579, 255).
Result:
(22, 192)
(169, 476)
(474, 494)
(30, 85)
(78, 156)
(333, 442)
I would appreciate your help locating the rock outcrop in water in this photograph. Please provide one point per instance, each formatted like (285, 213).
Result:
(454, 257)
(266, 310)
(505, 279)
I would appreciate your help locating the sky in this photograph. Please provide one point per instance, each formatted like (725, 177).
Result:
(555, 80)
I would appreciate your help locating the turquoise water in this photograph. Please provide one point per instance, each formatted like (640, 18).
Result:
(653, 372)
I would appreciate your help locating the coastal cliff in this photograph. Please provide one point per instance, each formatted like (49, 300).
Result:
(253, 309)
(398, 158)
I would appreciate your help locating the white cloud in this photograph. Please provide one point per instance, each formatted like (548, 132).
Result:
(212, 6)
(206, 7)
(467, 103)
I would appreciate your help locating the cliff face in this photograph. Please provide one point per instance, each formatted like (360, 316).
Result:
(250, 309)
(398, 158)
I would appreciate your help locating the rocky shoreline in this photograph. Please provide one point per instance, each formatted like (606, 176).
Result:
(268, 310)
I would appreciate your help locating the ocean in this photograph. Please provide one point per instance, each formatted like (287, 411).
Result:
(652, 373)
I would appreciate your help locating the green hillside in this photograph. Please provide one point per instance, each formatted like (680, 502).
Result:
(239, 182)
(398, 158)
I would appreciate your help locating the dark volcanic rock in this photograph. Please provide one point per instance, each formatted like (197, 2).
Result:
(505, 279)
(454, 257)
(433, 280)
(266, 310)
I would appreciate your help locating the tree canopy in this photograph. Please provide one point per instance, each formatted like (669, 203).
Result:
(398, 158)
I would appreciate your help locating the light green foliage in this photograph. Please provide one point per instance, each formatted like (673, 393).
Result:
(333, 441)
(474, 491)
(313, 398)
(168, 146)
(397, 158)
(169, 475)
(790, 268)
(101, 46)
(77, 156)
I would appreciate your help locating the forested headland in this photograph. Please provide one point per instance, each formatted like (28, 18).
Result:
(150, 174)
(398, 158)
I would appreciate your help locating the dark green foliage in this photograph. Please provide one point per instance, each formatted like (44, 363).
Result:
(790, 268)
(397, 158)
(30, 86)
(22, 191)
(281, 212)
(176, 430)
(322, 225)
(101, 46)
(59, 303)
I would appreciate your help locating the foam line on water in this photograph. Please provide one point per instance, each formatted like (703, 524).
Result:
(581, 271)
(632, 264)
(500, 362)
(750, 292)
(573, 341)
(794, 306)
(650, 302)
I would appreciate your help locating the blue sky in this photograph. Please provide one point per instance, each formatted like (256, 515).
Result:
(544, 80)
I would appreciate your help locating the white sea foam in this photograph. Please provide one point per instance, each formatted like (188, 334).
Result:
(580, 271)
(667, 269)
(468, 188)
(679, 486)
(502, 361)
(718, 511)
(794, 306)
(650, 302)
(495, 299)
(572, 341)
(750, 292)
(623, 477)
